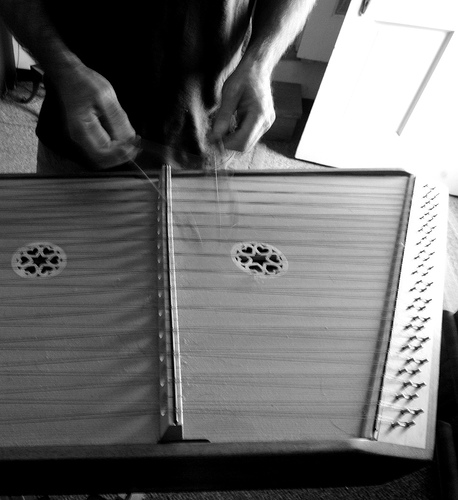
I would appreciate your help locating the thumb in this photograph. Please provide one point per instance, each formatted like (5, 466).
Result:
(225, 121)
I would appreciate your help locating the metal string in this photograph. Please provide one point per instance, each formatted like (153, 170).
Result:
(254, 346)
(112, 355)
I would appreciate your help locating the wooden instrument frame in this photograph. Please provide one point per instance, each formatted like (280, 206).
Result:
(200, 465)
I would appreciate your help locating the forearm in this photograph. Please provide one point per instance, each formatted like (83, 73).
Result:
(276, 24)
(247, 91)
(30, 24)
(94, 119)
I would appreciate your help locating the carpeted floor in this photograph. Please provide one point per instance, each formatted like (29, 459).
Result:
(17, 154)
(18, 142)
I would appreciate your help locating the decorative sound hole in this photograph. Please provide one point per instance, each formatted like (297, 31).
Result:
(39, 260)
(259, 259)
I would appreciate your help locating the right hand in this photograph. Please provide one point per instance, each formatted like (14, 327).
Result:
(95, 120)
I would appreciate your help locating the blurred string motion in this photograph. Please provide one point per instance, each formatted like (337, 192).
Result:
(216, 165)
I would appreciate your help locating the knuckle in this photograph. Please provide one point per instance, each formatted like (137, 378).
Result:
(269, 121)
(272, 117)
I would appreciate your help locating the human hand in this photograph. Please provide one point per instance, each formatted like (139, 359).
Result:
(247, 92)
(95, 120)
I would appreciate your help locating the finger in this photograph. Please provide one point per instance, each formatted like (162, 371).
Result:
(124, 144)
(252, 127)
(115, 121)
(117, 154)
(224, 119)
(99, 147)
(221, 127)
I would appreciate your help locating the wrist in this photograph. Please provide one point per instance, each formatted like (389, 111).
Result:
(63, 68)
(255, 64)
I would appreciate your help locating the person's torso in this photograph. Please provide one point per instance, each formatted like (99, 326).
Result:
(166, 61)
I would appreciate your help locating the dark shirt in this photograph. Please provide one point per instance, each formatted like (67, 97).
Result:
(166, 60)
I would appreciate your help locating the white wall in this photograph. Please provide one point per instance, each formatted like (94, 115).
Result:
(314, 49)
(21, 58)
(321, 31)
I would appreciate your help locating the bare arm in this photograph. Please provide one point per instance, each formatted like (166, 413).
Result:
(248, 90)
(95, 120)
(275, 26)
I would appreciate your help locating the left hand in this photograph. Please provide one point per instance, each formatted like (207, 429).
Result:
(248, 93)
(95, 121)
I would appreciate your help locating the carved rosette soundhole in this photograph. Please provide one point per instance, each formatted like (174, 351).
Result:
(259, 259)
(39, 260)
